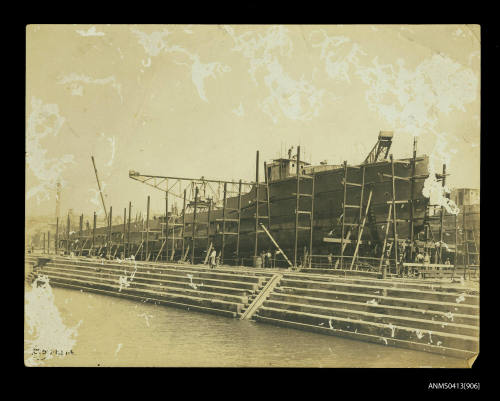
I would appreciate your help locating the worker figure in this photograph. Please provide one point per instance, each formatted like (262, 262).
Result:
(447, 261)
(268, 258)
(276, 252)
(263, 259)
(213, 256)
(290, 152)
(427, 259)
(419, 258)
(330, 260)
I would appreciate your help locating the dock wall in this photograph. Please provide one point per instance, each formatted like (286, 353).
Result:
(431, 316)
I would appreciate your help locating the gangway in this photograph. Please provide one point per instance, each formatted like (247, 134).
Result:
(261, 297)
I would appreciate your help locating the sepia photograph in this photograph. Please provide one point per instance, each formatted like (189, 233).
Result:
(241, 195)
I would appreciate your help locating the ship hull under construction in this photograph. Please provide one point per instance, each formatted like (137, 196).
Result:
(379, 181)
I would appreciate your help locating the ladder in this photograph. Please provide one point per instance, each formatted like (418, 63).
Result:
(361, 226)
(392, 218)
(236, 221)
(169, 222)
(199, 208)
(258, 202)
(470, 239)
(309, 214)
(357, 221)
(473, 241)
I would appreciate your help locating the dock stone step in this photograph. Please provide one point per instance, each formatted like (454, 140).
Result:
(377, 290)
(115, 278)
(381, 300)
(149, 299)
(438, 316)
(339, 272)
(416, 335)
(180, 298)
(418, 323)
(245, 280)
(382, 341)
(416, 284)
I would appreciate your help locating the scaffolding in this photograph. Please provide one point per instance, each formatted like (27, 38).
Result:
(308, 213)
(257, 216)
(198, 196)
(235, 221)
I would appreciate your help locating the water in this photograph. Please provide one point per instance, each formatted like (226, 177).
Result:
(120, 332)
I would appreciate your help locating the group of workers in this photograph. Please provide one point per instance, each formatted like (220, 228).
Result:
(213, 258)
(267, 258)
(421, 256)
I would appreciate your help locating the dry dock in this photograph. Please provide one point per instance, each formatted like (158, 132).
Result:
(433, 316)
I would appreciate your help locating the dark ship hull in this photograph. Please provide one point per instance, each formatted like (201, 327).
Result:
(327, 221)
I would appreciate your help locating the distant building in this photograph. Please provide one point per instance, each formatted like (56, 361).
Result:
(465, 196)
(468, 201)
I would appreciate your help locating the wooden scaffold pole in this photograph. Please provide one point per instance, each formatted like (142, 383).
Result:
(147, 230)
(194, 224)
(124, 230)
(343, 217)
(394, 219)
(93, 233)
(256, 206)
(455, 262)
(110, 232)
(57, 236)
(166, 224)
(67, 234)
(208, 225)
(128, 229)
(441, 220)
(387, 225)
(223, 224)
(465, 247)
(297, 204)
(80, 235)
(411, 200)
(239, 222)
(312, 222)
(183, 222)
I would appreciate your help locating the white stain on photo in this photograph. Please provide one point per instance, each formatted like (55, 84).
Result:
(44, 120)
(75, 81)
(92, 31)
(49, 335)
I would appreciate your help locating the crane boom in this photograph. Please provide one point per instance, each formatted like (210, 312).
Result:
(99, 186)
(381, 148)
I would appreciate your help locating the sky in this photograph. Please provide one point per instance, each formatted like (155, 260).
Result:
(200, 100)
